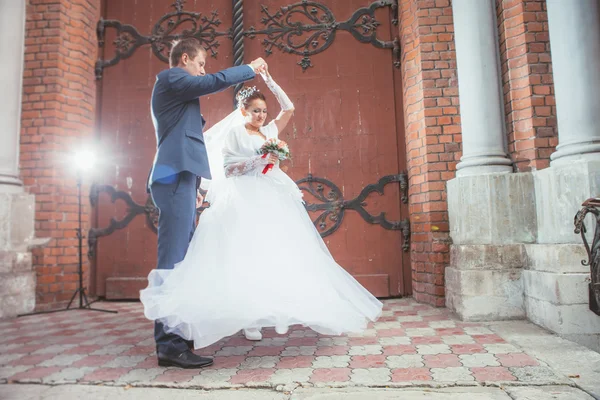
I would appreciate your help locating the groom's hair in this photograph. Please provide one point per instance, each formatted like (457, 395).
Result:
(190, 46)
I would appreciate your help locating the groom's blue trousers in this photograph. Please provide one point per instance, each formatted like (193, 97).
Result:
(175, 198)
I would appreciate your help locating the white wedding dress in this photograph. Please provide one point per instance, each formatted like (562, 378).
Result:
(256, 260)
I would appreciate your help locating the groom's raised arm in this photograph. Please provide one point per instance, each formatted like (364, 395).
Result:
(188, 87)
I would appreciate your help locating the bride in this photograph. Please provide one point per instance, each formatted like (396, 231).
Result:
(256, 260)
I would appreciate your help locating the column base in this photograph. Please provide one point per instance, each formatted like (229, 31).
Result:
(559, 193)
(480, 165)
(568, 153)
(17, 278)
(492, 209)
(10, 184)
(556, 292)
(17, 284)
(484, 282)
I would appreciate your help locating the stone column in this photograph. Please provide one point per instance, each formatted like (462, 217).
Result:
(575, 45)
(555, 282)
(17, 208)
(479, 88)
(490, 210)
(12, 39)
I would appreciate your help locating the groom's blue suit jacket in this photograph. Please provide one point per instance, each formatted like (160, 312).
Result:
(178, 122)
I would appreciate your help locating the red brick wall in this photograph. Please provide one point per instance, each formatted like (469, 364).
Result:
(527, 82)
(433, 136)
(58, 115)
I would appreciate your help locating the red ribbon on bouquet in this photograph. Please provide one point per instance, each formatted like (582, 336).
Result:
(268, 167)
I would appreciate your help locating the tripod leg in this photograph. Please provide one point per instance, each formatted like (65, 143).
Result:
(73, 298)
(87, 302)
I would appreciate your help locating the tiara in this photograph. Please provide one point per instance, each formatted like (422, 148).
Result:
(245, 93)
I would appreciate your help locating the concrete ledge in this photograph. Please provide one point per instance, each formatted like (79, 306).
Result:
(557, 258)
(17, 219)
(485, 295)
(569, 319)
(487, 257)
(559, 192)
(492, 209)
(559, 289)
(17, 293)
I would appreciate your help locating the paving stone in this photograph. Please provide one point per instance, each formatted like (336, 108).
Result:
(299, 351)
(55, 349)
(458, 339)
(330, 375)
(234, 351)
(125, 362)
(492, 374)
(140, 375)
(259, 362)
(62, 360)
(67, 375)
(333, 341)
(420, 332)
(9, 371)
(405, 361)
(251, 376)
(370, 376)
(394, 341)
(286, 376)
(411, 374)
(501, 348)
(433, 349)
(112, 350)
(441, 360)
(370, 349)
(7, 358)
(478, 360)
(442, 324)
(325, 362)
(516, 360)
(452, 374)
(295, 362)
(214, 377)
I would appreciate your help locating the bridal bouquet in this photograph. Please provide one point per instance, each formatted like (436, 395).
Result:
(277, 147)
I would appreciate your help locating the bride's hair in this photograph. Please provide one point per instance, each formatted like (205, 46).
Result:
(247, 94)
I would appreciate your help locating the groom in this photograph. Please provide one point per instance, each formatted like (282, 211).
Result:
(180, 162)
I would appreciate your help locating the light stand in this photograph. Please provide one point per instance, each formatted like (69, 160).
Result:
(84, 303)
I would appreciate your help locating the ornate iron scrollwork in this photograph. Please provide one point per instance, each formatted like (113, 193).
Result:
(282, 31)
(286, 32)
(591, 206)
(163, 34)
(331, 205)
(133, 210)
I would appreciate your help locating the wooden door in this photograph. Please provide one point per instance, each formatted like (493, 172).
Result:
(346, 135)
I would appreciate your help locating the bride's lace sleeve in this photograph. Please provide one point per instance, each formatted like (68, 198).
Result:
(243, 167)
(236, 158)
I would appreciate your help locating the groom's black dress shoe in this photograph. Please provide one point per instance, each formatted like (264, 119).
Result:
(187, 359)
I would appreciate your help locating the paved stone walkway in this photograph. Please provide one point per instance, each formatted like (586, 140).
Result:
(411, 345)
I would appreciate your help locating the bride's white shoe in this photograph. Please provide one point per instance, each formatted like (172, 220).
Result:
(253, 334)
(281, 330)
